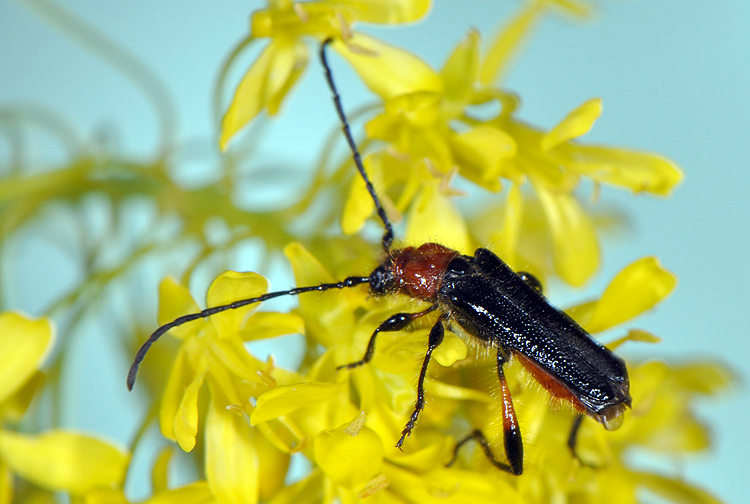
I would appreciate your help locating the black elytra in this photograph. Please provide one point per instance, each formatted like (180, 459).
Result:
(489, 301)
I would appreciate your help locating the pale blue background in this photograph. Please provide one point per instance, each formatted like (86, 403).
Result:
(674, 75)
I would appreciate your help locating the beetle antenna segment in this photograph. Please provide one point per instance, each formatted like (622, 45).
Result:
(388, 236)
(133, 372)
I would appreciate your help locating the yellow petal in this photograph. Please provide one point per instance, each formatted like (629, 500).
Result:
(634, 335)
(268, 79)
(576, 123)
(231, 460)
(460, 71)
(639, 171)
(451, 350)
(286, 399)
(24, 344)
(186, 420)
(704, 377)
(194, 493)
(159, 473)
(481, 151)
(174, 301)
(576, 250)
(229, 287)
(387, 11)
(359, 205)
(180, 377)
(328, 315)
(434, 218)
(675, 490)
(507, 42)
(64, 460)
(6, 485)
(349, 458)
(264, 325)
(637, 288)
(387, 70)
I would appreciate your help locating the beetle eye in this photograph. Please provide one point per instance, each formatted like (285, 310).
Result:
(380, 278)
(460, 266)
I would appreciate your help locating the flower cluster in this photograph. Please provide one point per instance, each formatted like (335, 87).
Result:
(242, 420)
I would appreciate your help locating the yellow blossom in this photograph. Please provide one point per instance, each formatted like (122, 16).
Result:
(281, 63)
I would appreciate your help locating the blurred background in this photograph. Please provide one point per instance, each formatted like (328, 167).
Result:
(674, 76)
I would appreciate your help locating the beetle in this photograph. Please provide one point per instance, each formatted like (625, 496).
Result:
(486, 299)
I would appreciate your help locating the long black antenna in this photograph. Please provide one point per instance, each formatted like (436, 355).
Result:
(133, 372)
(388, 236)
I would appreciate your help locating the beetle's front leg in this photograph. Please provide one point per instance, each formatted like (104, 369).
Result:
(512, 432)
(436, 337)
(393, 323)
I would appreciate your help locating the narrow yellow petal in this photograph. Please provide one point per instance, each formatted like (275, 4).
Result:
(639, 171)
(159, 473)
(174, 301)
(675, 490)
(180, 377)
(229, 287)
(64, 460)
(507, 42)
(434, 218)
(268, 75)
(460, 71)
(704, 377)
(349, 458)
(24, 344)
(576, 250)
(387, 11)
(359, 205)
(577, 123)
(634, 335)
(637, 288)
(288, 398)
(194, 493)
(387, 70)
(231, 460)
(6, 485)
(186, 420)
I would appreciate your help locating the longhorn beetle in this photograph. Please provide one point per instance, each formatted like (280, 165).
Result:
(503, 309)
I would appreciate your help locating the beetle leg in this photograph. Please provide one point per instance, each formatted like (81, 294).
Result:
(436, 337)
(573, 441)
(485, 445)
(393, 323)
(512, 432)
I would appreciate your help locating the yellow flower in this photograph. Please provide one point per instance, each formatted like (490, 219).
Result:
(432, 133)
(281, 63)
(346, 422)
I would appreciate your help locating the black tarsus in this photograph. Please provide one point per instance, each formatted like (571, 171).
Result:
(388, 235)
(573, 441)
(436, 337)
(477, 436)
(393, 323)
(133, 372)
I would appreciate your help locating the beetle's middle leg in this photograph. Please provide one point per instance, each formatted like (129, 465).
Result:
(512, 432)
(436, 337)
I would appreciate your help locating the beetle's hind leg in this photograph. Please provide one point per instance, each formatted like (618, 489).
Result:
(512, 432)
(573, 441)
(477, 436)
(436, 337)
